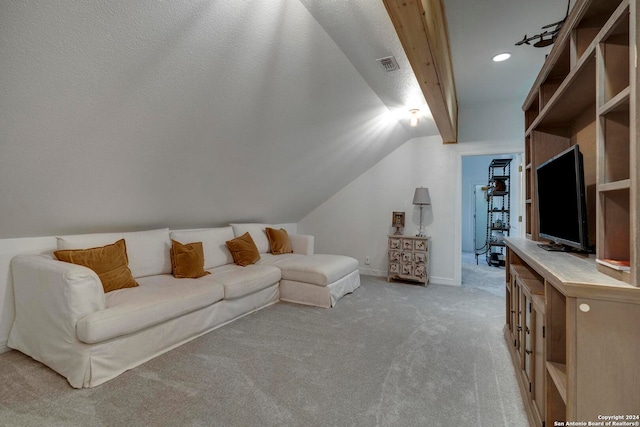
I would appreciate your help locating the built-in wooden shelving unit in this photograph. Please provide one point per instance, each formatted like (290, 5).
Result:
(571, 322)
(584, 95)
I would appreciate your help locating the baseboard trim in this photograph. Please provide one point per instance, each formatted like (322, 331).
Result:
(373, 272)
(447, 281)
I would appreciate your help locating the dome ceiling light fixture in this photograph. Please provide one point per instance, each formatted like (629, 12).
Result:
(547, 37)
(414, 120)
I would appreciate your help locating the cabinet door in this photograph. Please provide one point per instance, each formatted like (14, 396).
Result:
(508, 309)
(525, 335)
(538, 374)
(515, 312)
(607, 360)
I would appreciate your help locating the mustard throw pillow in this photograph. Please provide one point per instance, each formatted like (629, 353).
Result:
(187, 261)
(110, 263)
(278, 241)
(243, 250)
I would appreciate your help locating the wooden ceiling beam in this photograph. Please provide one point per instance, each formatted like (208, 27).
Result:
(422, 28)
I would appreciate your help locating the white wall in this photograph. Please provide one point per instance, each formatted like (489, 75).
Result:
(357, 220)
(136, 114)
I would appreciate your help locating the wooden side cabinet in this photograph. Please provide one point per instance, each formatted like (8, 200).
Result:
(571, 332)
(408, 259)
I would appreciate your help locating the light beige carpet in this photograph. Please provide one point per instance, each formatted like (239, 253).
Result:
(389, 354)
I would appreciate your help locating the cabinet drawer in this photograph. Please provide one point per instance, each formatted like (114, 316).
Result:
(420, 245)
(407, 269)
(407, 244)
(394, 243)
(394, 268)
(394, 256)
(420, 271)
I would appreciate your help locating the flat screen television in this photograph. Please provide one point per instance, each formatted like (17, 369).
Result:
(562, 209)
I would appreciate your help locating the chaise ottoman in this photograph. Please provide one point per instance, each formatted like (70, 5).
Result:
(319, 279)
(307, 278)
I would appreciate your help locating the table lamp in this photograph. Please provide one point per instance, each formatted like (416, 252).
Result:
(421, 198)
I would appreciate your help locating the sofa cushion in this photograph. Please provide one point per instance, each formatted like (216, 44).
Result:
(318, 269)
(213, 241)
(278, 241)
(109, 262)
(187, 260)
(257, 232)
(156, 300)
(243, 250)
(240, 281)
(148, 251)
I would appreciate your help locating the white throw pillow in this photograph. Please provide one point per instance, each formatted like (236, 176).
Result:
(257, 233)
(213, 241)
(148, 251)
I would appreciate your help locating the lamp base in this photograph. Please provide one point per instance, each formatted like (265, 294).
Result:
(421, 228)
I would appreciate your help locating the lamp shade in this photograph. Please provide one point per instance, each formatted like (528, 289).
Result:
(421, 196)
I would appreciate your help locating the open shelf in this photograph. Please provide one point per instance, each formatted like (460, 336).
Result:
(555, 404)
(618, 103)
(615, 52)
(615, 136)
(558, 374)
(623, 184)
(614, 239)
(572, 97)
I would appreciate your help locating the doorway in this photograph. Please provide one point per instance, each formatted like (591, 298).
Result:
(475, 270)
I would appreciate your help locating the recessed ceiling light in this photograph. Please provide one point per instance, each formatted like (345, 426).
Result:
(501, 57)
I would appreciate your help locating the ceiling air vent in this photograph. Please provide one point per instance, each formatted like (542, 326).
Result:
(389, 63)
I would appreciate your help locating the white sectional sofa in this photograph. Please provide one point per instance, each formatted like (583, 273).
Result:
(66, 321)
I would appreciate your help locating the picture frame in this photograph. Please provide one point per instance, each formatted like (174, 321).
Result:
(398, 219)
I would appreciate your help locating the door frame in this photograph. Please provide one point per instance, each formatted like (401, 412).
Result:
(470, 150)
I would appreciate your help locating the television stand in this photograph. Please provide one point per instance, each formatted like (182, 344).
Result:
(570, 332)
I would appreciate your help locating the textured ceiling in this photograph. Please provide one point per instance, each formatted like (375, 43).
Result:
(129, 115)
(363, 30)
(478, 30)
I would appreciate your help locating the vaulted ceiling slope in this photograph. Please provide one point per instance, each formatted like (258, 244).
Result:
(129, 115)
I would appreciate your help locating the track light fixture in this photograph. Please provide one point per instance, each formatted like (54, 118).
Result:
(550, 34)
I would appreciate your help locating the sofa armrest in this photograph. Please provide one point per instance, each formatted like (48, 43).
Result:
(301, 244)
(51, 296)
